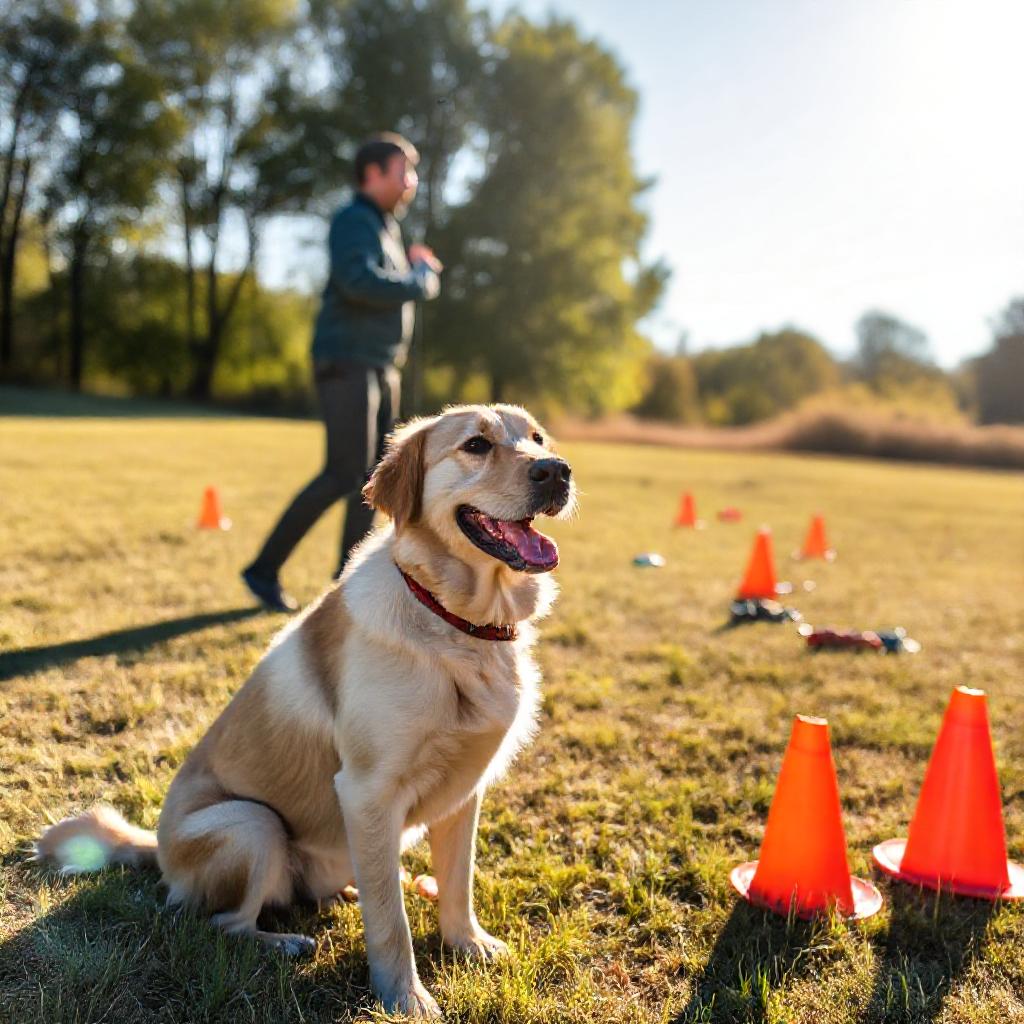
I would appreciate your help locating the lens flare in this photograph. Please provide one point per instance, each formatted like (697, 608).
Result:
(82, 853)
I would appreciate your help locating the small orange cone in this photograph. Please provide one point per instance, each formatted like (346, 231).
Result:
(759, 579)
(687, 515)
(815, 545)
(210, 517)
(803, 864)
(957, 840)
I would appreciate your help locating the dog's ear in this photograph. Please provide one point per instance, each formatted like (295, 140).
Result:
(396, 486)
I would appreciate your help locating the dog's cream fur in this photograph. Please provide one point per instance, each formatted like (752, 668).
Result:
(369, 719)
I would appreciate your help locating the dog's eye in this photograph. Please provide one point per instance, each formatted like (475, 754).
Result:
(538, 439)
(477, 445)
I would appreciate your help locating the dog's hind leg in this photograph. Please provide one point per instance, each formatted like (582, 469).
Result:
(289, 943)
(233, 858)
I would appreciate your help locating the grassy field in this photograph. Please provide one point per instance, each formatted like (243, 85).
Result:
(604, 855)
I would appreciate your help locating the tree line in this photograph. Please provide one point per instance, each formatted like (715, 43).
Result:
(892, 367)
(147, 145)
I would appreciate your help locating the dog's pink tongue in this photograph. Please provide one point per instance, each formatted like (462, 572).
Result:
(533, 547)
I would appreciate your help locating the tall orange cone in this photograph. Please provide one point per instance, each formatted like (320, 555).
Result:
(687, 515)
(803, 857)
(759, 579)
(815, 545)
(957, 840)
(210, 517)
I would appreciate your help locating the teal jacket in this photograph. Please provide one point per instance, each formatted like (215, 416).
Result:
(368, 306)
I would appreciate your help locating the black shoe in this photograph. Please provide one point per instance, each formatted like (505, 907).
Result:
(269, 592)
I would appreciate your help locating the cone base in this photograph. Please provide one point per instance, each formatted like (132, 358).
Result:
(799, 556)
(222, 524)
(867, 900)
(888, 857)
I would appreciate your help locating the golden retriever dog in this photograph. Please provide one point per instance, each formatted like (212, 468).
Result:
(381, 712)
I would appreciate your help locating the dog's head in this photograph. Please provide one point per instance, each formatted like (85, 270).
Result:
(477, 476)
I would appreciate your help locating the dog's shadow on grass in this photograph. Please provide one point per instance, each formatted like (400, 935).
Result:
(108, 949)
(137, 638)
(756, 953)
(931, 943)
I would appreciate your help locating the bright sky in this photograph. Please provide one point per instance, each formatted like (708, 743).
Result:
(817, 159)
(814, 160)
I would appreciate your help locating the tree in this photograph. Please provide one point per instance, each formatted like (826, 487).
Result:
(1000, 372)
(116, 133)
(135, 305)
(776, 372)
(230, 68)
(670, 393)
(432, 57)
(894, 361)
(790, 365)
(888, 348)
(35, 39)
(544, 285)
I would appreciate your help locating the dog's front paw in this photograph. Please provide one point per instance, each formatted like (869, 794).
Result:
(478, 944)
(414, 1001)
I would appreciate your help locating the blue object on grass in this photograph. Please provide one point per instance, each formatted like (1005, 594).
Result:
(651, 559)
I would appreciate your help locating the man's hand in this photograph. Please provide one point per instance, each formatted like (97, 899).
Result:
(420, 253)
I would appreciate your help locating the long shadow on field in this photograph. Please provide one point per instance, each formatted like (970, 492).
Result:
(755, 954)
(109, 950)
(35, 659)
(931, 943)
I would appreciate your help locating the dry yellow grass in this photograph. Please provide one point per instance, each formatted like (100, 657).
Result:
(604, 855)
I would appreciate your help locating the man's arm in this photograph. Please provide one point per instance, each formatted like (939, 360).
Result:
(355, 252)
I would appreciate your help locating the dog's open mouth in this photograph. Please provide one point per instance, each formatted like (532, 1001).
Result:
(513, 541)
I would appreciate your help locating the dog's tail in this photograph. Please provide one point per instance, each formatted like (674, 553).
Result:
(95, 839)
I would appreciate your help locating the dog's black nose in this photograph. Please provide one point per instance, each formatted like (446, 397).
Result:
(550, 471)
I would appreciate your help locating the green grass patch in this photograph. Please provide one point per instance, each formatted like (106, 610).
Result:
(604, 855)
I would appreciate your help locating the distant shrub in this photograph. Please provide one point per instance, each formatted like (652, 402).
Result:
(850, 431)
(854, 433)
(670, 391)
(744, 384)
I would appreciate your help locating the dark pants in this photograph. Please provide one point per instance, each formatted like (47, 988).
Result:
(358, 405)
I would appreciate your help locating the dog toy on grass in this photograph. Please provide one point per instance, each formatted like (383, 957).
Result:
(890, 641)
(761, 609)
(650, 559)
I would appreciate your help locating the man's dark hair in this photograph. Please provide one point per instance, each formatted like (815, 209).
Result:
(380, 149)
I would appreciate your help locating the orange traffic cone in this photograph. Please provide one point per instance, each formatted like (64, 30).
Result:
(803, 864)
(815, 545)
(956, 839)
(210, 517)
(687, 515)
(759, 579)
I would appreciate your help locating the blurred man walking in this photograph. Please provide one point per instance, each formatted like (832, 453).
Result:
(360, 341)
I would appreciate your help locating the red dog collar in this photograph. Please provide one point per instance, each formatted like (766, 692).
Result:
(425, 597)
